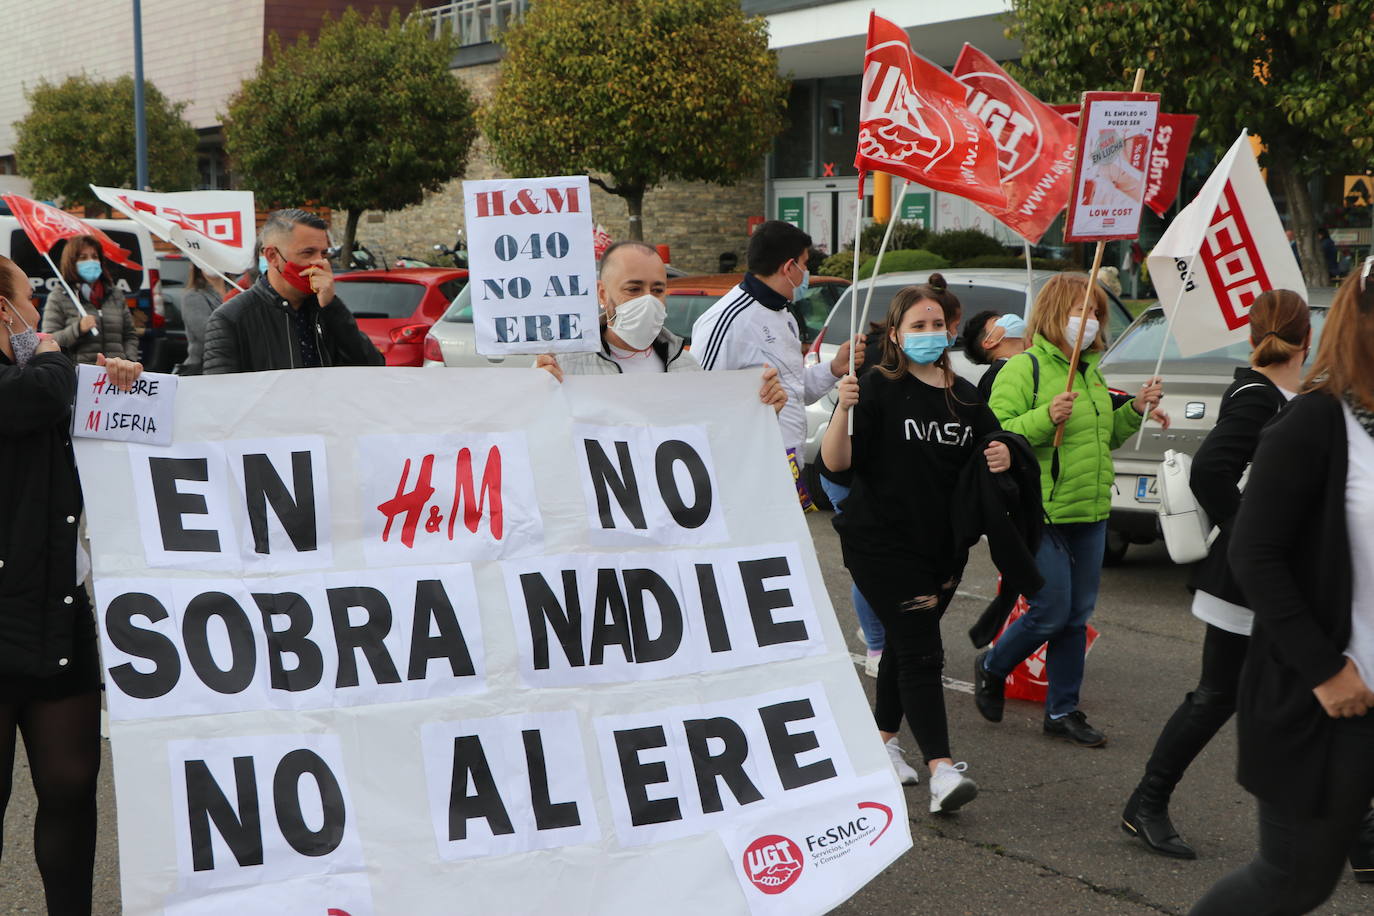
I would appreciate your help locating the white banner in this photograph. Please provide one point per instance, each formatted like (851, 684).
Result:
(1115, 133)
(215, 229)
(532, 257)
(378, 666)
(1220, 253)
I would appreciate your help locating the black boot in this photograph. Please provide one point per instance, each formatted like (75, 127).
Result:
(1362, 852)
(1147, 816)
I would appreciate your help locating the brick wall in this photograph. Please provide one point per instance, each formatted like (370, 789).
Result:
(289, 18)
(697, 221)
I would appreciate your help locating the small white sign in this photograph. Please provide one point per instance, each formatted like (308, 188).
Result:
(142, 414)
(1116, 131)
(531, 253)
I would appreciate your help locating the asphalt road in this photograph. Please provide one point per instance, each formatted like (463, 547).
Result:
(1043, 835)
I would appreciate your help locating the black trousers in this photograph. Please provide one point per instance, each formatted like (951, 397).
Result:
(1301, 858)
(913, 655)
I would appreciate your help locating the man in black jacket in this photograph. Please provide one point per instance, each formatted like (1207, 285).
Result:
(290, 318)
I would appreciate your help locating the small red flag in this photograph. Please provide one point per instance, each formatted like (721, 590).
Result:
(46, 226)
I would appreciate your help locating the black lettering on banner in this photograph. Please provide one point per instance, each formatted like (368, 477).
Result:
(241, 826)
(548, 815)
(637, 583)
(309, 669)
(432, 606)
(195, 624)
(262, 485)
(727, 765)
(616, 630)
(172, 504)
(787, 747)
(470, 767)
(637, 776)
(712, 611)
(145, 644)
(667, 454)
(541, 605)
(762, 602)
(607, 482)
(286, 799)
(367, 635)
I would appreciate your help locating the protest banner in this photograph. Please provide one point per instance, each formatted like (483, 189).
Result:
(382, 666)
(1115, 133)
(215, 229)
(531, 253)
(1220, 252)
(141, 414)
(1036, 146)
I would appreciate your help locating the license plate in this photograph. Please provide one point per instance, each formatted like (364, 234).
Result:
(1147, 489)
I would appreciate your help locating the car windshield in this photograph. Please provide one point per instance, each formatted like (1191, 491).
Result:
(974, 298)
(374, 299)
(460, 310)
(1138, 349)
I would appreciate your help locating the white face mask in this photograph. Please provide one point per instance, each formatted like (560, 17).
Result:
(1089, 333)
(638, 321)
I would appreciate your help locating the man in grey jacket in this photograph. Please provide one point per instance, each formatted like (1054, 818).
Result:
(632, 282)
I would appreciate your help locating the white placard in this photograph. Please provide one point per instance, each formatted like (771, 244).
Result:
(142, 414)
(309, 714)
(531, 254)
(1116, 131)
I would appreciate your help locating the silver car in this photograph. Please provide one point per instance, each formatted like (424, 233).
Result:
(1000, 290)
(1192, 397)
(453, 342)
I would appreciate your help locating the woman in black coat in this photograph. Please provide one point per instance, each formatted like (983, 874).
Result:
(1302, 549)
(49, 670)
(1280, 333)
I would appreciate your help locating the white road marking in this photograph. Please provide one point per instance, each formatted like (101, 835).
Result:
(950, 683)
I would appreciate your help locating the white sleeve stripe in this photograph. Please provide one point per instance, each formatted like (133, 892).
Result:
(719, 332)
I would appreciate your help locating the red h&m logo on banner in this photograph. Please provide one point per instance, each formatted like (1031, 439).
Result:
(1233, 261)
(412, 504)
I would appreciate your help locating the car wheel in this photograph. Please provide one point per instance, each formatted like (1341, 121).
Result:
(1115, 551)
(811, 476)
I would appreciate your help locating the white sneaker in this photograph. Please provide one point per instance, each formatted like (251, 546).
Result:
(905, 773)
(871, 664)
(950, 789)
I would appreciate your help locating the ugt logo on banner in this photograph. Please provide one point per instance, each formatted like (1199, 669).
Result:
(532, 256)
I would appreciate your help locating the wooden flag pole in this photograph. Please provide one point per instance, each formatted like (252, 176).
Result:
(1088, 295)
(853, 311)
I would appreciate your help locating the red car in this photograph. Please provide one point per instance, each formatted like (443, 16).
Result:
(396, 307)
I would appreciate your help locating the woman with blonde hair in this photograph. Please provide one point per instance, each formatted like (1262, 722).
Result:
(1302, 549)
(916, 425)
(1281, 334)
(1031, 396)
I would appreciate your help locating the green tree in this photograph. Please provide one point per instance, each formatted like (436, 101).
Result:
(635, 93)
(1298, 73)
(366, 117)
(81, 132)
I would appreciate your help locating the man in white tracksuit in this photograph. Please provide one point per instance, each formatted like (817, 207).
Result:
(751, 327)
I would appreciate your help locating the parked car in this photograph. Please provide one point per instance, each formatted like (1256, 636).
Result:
(689, 297)
(451, 341)
(1003, 290)
(396, 308)
(1192, 397)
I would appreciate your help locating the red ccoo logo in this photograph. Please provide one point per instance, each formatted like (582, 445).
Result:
(773, 863)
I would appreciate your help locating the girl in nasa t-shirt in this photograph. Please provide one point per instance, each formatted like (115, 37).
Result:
(916, 425)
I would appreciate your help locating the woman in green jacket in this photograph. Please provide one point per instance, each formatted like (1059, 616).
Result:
(1029, 398)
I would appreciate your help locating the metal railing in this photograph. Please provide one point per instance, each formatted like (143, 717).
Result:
(475, 22)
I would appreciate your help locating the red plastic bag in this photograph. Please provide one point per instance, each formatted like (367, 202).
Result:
(1028, 680)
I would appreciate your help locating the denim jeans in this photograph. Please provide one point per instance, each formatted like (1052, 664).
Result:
(1070, 560)
(874, 635)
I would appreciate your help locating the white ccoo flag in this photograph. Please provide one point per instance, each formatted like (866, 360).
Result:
(215, 229)
(1220, 253)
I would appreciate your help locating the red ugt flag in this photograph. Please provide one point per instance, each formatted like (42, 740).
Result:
(46, 226)
(1036, 146)
(913, 122)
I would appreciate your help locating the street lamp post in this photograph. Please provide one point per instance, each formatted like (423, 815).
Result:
(140, 122)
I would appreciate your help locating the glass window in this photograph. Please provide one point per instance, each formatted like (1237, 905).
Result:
(1138, 350)
(792, 149)
(839, 123)
(684, 310)
(451, 288)
(373, 299)
(460, 312)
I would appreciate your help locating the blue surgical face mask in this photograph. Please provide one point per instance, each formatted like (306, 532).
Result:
(262, 264)
(1014, 325)
(924, 348)
(799, 292)
(88, 270)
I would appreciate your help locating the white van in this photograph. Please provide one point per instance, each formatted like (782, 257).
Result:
(138, 285)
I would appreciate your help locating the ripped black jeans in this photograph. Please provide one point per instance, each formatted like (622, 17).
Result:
(913, 656)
